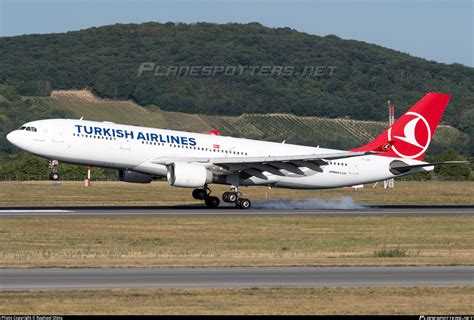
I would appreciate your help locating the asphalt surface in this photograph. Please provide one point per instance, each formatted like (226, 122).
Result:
(44, 279)
(281, 209)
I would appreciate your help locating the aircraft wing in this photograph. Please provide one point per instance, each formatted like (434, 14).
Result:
(255, 166)
(280, 165)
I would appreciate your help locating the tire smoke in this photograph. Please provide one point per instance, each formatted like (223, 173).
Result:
(343, 203)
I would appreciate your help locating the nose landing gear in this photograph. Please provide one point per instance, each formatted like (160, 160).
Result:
(54, 166)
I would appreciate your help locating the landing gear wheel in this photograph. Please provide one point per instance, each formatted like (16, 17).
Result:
(54, 166)
(232, 197)
(225, 197)
(199, 194)
(243, 203)
(54, 176)
(229, 196)
(212, 202)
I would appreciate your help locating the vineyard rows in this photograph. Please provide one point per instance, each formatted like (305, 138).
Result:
(336, 133)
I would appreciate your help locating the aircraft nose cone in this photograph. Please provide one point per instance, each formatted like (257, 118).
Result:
(11, 137)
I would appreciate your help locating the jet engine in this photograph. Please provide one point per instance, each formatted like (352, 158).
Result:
(133, 176)
(188, 175)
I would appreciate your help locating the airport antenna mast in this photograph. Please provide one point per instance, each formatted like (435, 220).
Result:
(390, 183)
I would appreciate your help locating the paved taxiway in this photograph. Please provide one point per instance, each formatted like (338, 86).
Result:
(40, 279)
(229, 210)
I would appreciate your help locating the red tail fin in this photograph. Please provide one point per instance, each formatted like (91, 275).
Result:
(213, 132)
(411, 133)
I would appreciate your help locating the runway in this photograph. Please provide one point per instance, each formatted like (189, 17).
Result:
(230, 210)
(310, 277)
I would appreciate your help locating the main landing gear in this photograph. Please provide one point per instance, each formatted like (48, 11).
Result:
(205, 194)
(54, 166)
(234, 197)
(230, 197)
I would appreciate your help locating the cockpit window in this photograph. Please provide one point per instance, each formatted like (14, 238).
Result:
(33, 129)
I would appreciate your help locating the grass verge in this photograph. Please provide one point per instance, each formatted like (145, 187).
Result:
(187, 241)
(391, 300)
(68, 193)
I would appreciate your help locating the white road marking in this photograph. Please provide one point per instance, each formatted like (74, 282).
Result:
(28, 211)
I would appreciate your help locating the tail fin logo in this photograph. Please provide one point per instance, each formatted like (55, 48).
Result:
(412, 136)
(386, 146)
(409, 132)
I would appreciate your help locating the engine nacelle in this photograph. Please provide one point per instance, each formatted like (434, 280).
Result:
(188, 175)
(134, 177)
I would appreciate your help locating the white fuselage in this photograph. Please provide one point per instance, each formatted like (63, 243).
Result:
(106, 144)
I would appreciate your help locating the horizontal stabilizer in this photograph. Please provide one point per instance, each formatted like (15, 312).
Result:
(399, 167)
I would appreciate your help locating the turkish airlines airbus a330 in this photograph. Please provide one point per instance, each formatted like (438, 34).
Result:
(193, 160)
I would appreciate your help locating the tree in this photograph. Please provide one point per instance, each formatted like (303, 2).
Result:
(452, 171)
(29, 167)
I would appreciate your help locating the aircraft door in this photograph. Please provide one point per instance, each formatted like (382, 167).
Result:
(40, 134)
